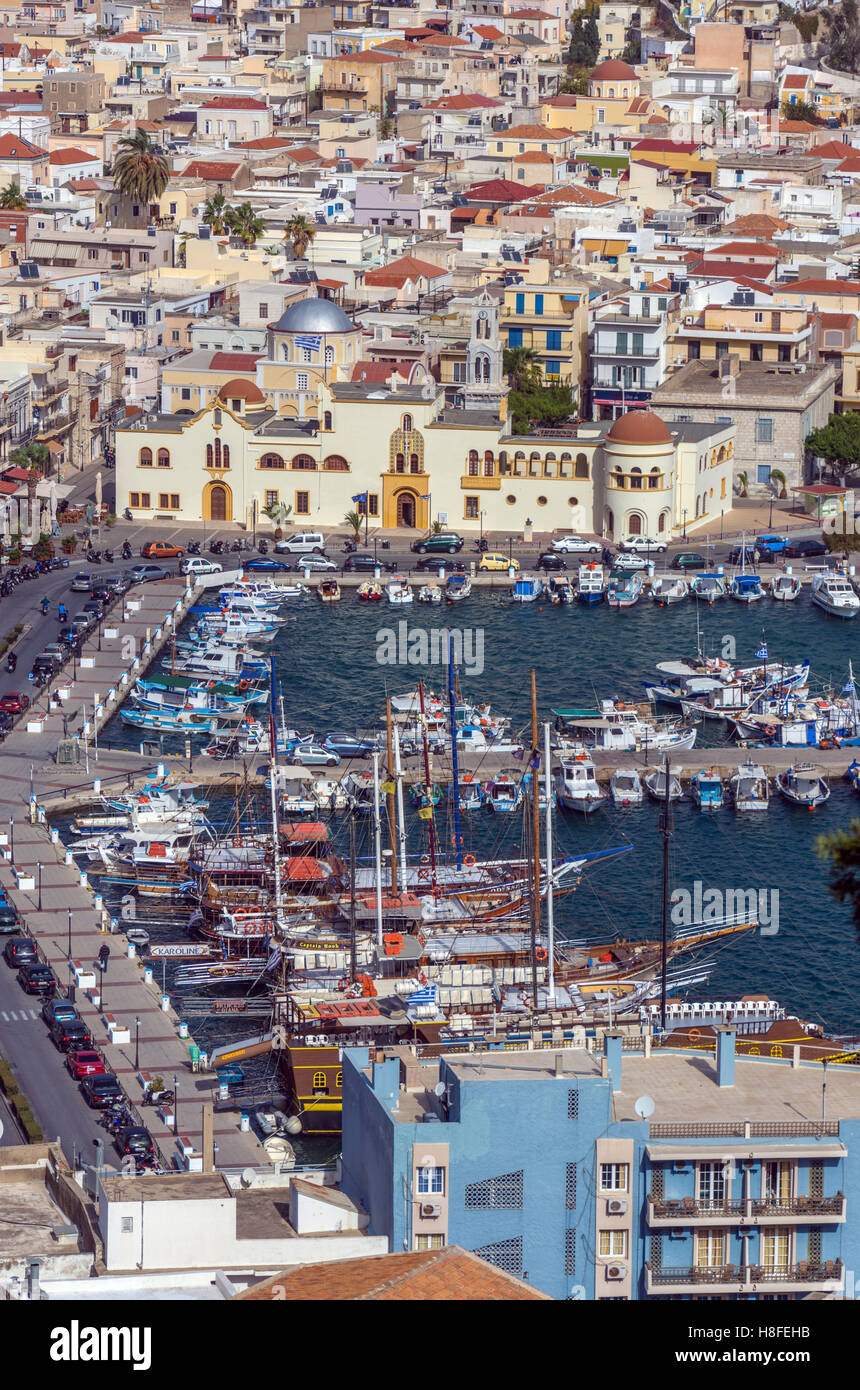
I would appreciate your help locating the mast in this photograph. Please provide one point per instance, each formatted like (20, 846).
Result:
(352, 898)
(458, 849)
(535, 914)
(273, 781)
(666, 828)
(377, 835)
(401, 817)
(392, 821)
(428, 789)
(550, 907)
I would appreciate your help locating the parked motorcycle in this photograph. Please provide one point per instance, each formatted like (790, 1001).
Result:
(350, 547)
(108, 557)
(11, 661)
(263, 547)
(128, 515)
(192, 548)
(217, 548)
(482, 545)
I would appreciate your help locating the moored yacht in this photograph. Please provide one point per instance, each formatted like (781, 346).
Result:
(834, 594)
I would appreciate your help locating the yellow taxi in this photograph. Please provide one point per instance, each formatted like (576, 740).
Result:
(498, 562)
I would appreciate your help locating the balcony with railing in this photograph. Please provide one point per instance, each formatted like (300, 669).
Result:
(826, 1277)
(745, 1211)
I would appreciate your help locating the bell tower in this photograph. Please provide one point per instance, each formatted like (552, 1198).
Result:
(485, 388)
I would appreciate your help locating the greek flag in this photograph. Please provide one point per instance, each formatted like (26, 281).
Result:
(311, 341)
(848, 689)
(761, 652)
(423, 996)
(425, 497)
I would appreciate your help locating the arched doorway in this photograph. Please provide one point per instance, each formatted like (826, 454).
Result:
(634, 524)
(217, 502)
(406, 509)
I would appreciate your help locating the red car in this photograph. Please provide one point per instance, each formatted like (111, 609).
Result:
(14, 704)
(82, 1064)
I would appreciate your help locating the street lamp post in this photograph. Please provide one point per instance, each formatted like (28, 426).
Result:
(12, 839)
(69, 952)
(684, 537)
(481, 517)
(722, 514)
(175, 1106)
(770, 515)
(137, 1044)
(39, 868)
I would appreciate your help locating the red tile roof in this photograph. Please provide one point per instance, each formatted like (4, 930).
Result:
(20, 98)
(396, 273)
(233, 104)
(753, 250)
(727, 270)
(654, 146)
(72, 156)
(268, 142)
(448, 1275)
(379, 371)
(487, 31)
(838, 320)
(822, 286)
(797, 80)
(15, 147)
(460, 102)
(501, 191)
(303, 154)
(234, 361)
(216, 169)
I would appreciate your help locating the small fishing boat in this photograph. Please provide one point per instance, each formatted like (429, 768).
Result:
(471, 793)
(527, 589)
(576, 786)
(420, 797)
(624, 588)
(370, 591)
(329, 591)
(655, 785)
(231, 1074)
(625, 787)
(750, 789)
(559, 589)
(295, 590)
(458, 586)
(785, 587)
(707, 787)
(746, 588)
(138, 936)
(853, 775)
(834, 594)
(429, 593)
(503, 793)
(397, 591)
(668, 588)
(804, 785)
(708, 587)
(589, 583)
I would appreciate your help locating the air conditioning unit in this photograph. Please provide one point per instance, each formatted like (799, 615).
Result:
(679, 1166)
(617, 1206)
(430, 1209)
(616, 1271)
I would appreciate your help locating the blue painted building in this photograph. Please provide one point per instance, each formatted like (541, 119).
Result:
(619, 1173)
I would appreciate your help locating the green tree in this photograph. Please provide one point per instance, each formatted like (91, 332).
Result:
(386, 126)
(632, 52)
(575, 82)
(356, 521)
(215, 213)
(838, 442)
(243, 222)
(584, 40)
(800, 111)
(842, 40)
(778, 477)
(140, 170)
(522, 366)
(540, 404)
(841, 848)
(300, 233)
(12, 199)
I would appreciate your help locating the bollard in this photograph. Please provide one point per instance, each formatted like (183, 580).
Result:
(165, 1003)
(84, 880)
(69, 858)
(244, 1123)
(55, 836)
(159, 771)
(183, 1030)
(132, 951)
(99, 902)
(147, 974)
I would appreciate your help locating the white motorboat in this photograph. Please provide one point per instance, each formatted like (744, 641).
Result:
(668, 588)
(746, 588)
(429, 593)
(834, 594)
(576, 785)
(750, 788)
(589, 583)
(622, 726)
(397, 591)
(526, 589)
(625, 787)
(708, 587)
(804, 785)
(458, 586)
(785, 587)
(558, 589)
(295, 590)
(624, 588)
(655, 785)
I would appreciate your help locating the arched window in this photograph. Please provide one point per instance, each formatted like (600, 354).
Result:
(272, 461)
(327, 420)
(549, 461)
(654, 478)
(406, 424)
(146, 458)
(216, 417)
(611, 92)
(329, 355)
(286, 352)
(636, 477)
(209, 456)
(304, 461)
(661, 523)
(226, 456)
(581, 469)
(217, 453)
(163, 458)
(489, 466)
(335, 464)
(482, 367)
(400, 463)
(473, 463)
(319, 1080)
(414, 464)
(634, 524)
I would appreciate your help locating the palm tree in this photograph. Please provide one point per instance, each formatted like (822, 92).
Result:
(12, 199)
(36, 459)
(300, 233)
(356, 521)
(522, 365)
(778, 477)
(140, 170)
(216, 213)
(244, 223)
(743, 480)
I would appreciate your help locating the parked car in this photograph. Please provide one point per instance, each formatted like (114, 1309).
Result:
(576, 545)
(86, 1063)
(198, 564)
(630, 561)
(19, 951)
(142, 574)
(70, 1034)
(161, 550)
(82, 583)
(101, 594)
(642, 545)
(689, 560)
(58, 1008)
(438, 562)
(551, 560)
(745, 554)
(362, 562)
(100, 1090)
(304, 543)
(312, 755)
(82, 622)
(772, 542)
(46, 665)
(10, 922)
(267, 566)
(348, 746)
(316, 563)
(56, 650)
(117, 583)
(804, 550)
(36, 978)
(96, 607)
(135, 1140)
(494, 560)
(446, 542)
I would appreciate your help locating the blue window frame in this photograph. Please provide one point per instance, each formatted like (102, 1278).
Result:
(515, 337)
(763, 473)
(553, 367)
(553, 339)
(520, 304)
(538, 303)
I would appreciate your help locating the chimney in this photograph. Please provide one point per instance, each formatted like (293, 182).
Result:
(725, 1056)
(559, 1064)
(33, 1291)
(612, 1058)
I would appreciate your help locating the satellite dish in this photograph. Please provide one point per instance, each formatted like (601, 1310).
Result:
(439, 1089)
(248, 1177)
(644, 1107)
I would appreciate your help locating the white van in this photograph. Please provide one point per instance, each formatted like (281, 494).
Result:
(306, 542)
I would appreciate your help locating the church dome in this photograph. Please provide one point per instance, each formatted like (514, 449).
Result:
(613, 68)
(639, 427)
(314, 316)
(238, 389)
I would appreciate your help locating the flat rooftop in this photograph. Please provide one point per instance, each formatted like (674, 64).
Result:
(167, 1187)
(29, 1214)
(684, 1090)
(700, 383)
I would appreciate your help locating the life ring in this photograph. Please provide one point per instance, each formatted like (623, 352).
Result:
(540, 953)
(770, 730)
(243, 685)
(695, 1033)
(469, 860)
(425, 859)
(423, 874)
